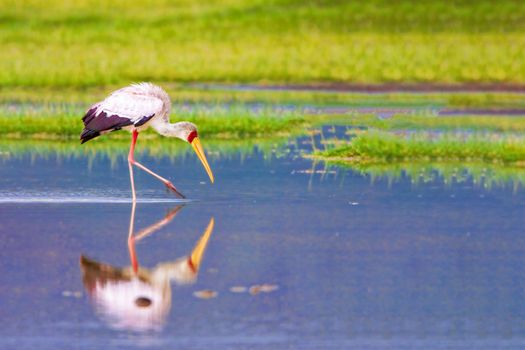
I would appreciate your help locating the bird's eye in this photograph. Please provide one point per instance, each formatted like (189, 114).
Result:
(143, 302)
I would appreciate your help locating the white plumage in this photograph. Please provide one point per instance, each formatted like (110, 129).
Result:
(133, 107)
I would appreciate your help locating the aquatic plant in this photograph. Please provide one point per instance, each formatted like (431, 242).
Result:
(381, 147)
(427, 121)
(62, 121)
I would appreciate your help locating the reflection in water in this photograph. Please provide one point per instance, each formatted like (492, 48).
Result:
(483, 175)
(356, 265)
(134, 297)
(116, 149)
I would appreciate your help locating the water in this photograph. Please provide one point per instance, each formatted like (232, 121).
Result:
(351, 262)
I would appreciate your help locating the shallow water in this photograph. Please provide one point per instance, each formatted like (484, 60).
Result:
(347, 261)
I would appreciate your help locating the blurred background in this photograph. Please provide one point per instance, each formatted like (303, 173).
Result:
(94, 43)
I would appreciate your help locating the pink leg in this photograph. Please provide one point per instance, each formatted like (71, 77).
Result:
(132, 161)
(134, 196)
(130, 164)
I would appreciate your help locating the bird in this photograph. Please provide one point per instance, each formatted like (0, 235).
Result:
(135, 108)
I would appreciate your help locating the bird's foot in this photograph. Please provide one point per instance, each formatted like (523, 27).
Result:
(172, 188)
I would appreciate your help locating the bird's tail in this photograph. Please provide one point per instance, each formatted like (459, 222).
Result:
(88, 134)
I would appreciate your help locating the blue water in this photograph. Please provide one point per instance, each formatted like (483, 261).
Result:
(358, 264)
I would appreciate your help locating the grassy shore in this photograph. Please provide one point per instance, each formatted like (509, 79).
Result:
(380, 147)
(233, 119)
(63, 121)
(220, 94)
(92, 43)
(427, 121)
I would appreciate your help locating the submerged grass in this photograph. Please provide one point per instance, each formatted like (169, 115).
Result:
(379, 147)
(92, 43)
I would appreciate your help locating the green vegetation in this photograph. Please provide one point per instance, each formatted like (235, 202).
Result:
(93, 43)
(47, 113)
(427, 121)
(63, 122)
(424, 139)
(377, 147)
(59, 57)
(220, 94)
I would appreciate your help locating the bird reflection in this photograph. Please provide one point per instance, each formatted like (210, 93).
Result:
(134, 297)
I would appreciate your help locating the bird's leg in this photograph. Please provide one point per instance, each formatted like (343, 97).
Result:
(132, 161)
(166, 182)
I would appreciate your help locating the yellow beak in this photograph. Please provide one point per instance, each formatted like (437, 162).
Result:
(197, 147)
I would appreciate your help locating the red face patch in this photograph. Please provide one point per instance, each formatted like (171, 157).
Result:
(192, 135)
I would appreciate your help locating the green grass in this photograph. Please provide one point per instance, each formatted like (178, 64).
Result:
(63, 121)
(224, 118)
(380, 147)
(92, 43)
(216, 94)
(426, 121)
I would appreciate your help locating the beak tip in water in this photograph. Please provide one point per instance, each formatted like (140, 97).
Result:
(196, 144)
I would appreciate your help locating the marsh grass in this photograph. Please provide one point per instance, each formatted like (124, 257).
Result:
(380, 147)
(429, 121)
(63, 121)
(91, 43)
(56, 113)
(235, 94)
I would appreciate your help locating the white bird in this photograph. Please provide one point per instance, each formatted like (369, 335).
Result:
(135, 108)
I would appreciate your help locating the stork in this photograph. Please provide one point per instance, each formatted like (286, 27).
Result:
(136, 108)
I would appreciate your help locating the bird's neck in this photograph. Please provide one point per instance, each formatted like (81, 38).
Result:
(168, 129)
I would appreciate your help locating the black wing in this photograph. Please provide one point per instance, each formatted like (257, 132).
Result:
(94, 124)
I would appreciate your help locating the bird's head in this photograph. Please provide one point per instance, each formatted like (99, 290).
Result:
(188, 132)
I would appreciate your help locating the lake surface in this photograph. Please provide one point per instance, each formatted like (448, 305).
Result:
(334, 260)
